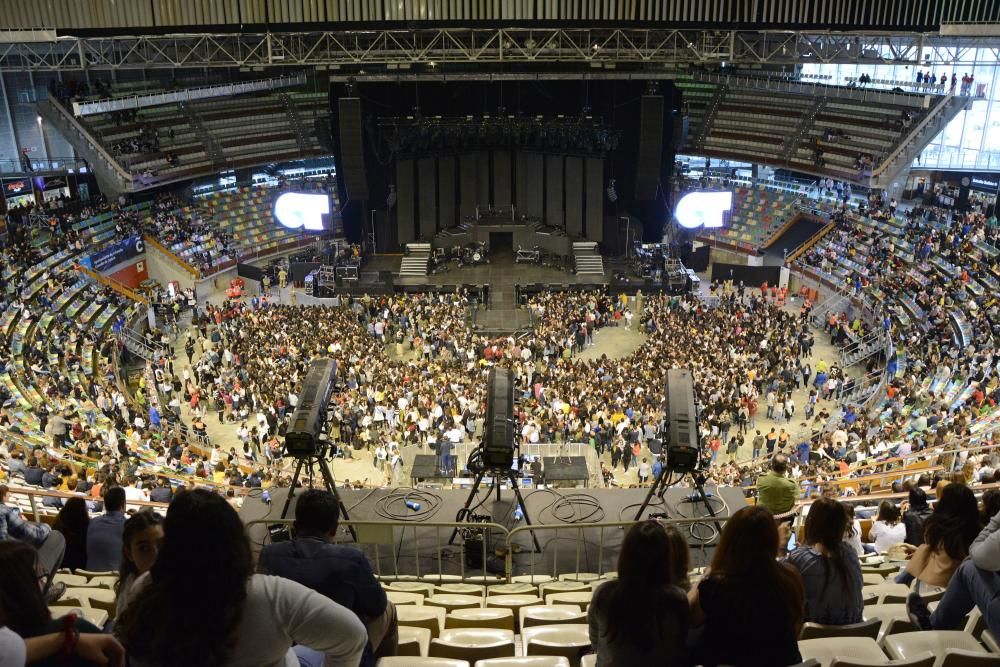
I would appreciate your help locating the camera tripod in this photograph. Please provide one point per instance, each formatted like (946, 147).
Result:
(496, 475)
(328, 481)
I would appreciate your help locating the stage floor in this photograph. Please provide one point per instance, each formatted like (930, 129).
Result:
(422, 548)
(501, 275)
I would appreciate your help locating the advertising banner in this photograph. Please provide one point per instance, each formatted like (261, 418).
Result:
(116, 253)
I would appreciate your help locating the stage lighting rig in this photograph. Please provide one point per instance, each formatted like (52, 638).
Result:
(496, 455)
(306, 438)
(681, 440)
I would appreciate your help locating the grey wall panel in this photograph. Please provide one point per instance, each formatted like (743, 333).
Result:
(446, 192)
(554, 214)
(427, 197)
(594, 198)
(467, 174)
(574, 196)
(501, 178)
(404, 201)
(483, 178)
(530, 184)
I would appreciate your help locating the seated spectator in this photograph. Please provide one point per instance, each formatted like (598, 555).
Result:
(72, 522)
(853, 536)
(976, 583)
(915, 516)
(340, 573)
(104, 535)
(141, 540)
(96, 649)
(991, 505)
(641, 617)
(681, 558)
(170, 617)
(948, 533)
(51, 546)
(748, 598)
(23, 609)
(775, 491)
(830, 569)
(886, 530)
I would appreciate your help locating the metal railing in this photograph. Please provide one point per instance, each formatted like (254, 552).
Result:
(186, 95)
(798, 87)
(931, 116)
(90, 140)
(11, 166)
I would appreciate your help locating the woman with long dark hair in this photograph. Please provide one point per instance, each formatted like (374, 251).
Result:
(751, 606)
(141, 538)
(641, 617)
(948, 533)
(23, 611)
(829, 567)
(72, 522)
(201, 605)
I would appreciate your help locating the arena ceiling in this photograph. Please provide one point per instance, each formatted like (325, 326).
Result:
(585, 35)
(907, 15)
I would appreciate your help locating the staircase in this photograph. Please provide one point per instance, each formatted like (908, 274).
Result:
(212, 148)
(711, 109)
(136, 344)
(818, 315)
(793, 140)
(301, 136)
(944, 111)
(416, 260)
(587, 259)
(111, 176)
(859, 390)
(859, 350)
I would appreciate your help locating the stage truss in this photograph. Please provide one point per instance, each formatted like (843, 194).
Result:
(402, 48)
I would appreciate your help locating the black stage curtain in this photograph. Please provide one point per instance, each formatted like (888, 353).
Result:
(751, 276)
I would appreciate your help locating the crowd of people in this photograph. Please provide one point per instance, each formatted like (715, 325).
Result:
(413, 373)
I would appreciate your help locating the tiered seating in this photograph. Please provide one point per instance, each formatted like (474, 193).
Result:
(246, 215)
(478, 621)
(231, 121)
(788, 128)
(243, 131)
(758, 212)
(755, 123)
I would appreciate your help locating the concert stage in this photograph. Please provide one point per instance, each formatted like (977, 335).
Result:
(413, 548)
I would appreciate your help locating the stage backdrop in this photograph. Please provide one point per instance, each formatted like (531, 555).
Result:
(752, 276)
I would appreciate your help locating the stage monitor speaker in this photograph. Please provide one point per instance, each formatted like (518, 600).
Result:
(352, 155)
(650, 153)
(498, 441)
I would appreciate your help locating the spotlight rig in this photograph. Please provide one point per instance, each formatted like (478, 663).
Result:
(495, 456)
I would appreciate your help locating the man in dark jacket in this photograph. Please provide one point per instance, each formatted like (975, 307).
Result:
(915, 516)
(340, 573)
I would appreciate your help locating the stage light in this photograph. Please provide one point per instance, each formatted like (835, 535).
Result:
(612, 191)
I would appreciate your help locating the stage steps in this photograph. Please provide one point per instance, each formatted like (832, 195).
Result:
(588, 259)
(417, 259)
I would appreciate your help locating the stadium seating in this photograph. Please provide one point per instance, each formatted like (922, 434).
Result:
(207, 135)
(759, 212)
(785, 128)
